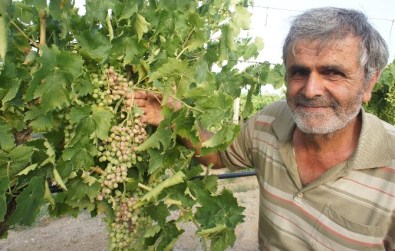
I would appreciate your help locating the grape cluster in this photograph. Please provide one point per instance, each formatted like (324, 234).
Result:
(110, 87)
(125, 223)
(119, 151)
(118, 156)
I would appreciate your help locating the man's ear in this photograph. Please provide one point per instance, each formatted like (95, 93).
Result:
(367, 93)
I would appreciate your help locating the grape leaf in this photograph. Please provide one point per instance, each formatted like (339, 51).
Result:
(19, 157)
(58, 71)
(216, 107)
(10, 81)
(169, 236)
(159, 212)
(177, 71)
(102, 118)
(79, 113)
(39, 121)
(173, 180)
(94, 45)
(7, 140)
(222, 209)
(161, 136)
(126, 9)
(29, 202)
(185, 127)
(221, 139)
(98, 9)
(3, 33)
(4, 184)
(223, 240)
(141, 26)
(227, 43)
(242, 17)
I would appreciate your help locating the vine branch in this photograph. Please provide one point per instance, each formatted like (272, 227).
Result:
(25, 35)
(43, 28)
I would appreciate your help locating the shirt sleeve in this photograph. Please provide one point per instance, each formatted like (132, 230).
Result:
(239, 154)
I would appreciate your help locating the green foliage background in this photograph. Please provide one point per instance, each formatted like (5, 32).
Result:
(52, 126)
(382, 103)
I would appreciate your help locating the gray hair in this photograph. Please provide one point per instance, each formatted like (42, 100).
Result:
(329, 23)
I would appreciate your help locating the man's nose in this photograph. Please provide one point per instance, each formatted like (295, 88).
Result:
(313, 86)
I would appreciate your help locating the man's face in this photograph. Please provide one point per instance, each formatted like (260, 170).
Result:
(325, 86)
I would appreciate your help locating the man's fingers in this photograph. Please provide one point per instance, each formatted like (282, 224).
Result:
(140, 95)
(140, 102)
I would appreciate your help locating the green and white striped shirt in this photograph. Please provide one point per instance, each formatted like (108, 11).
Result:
(350, 207)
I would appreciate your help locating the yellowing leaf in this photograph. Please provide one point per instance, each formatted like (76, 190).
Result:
(59, 179)
(48, 195)
(173, 180)
(3, 37)
(242, 17)
(141, 26)
(27, 170)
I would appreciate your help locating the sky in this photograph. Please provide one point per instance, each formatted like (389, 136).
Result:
(271, 20)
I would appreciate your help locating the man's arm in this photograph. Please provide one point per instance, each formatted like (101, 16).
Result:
(151, 105)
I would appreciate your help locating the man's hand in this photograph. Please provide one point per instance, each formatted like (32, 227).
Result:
(151, 105)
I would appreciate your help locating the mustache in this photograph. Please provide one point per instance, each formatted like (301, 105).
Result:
(320, 101)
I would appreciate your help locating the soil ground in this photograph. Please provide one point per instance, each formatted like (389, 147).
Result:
(89, 234)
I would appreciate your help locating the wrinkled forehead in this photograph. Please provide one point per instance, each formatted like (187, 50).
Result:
(347, 44)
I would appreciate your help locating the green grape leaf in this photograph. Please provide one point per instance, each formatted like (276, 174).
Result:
(169, 236)
(218, 209)
(102, 118)
(29, 202)
(79, 113)
(159, 212)
(221, 139)
(19, 157)
(177, 72)
(242, 17)
(141, 26)
(38, 120)
(10, 80)
(155, 162)
(162, 135)
(227, 43)
(7, 140)
(80, 191)
(216, 107)
(223, 240)
(50, 83)
(98, 9)
(185, 126)
(126, 10)
(4, 185)
(94, 45)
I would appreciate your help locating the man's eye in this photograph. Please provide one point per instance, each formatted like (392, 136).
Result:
(333, 73)
(300, 73)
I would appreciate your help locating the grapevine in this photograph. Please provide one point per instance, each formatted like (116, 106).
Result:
(69, 122)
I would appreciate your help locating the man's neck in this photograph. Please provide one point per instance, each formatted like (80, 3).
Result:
(315, 154)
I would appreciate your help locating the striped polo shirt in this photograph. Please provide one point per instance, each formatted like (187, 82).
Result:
(350, 207)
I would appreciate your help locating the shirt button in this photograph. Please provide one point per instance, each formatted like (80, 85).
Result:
(300, 195)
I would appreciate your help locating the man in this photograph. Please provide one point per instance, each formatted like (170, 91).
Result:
(325, 168)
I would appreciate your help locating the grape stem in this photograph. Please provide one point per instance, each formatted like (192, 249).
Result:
(24, 34)
(144, 187)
